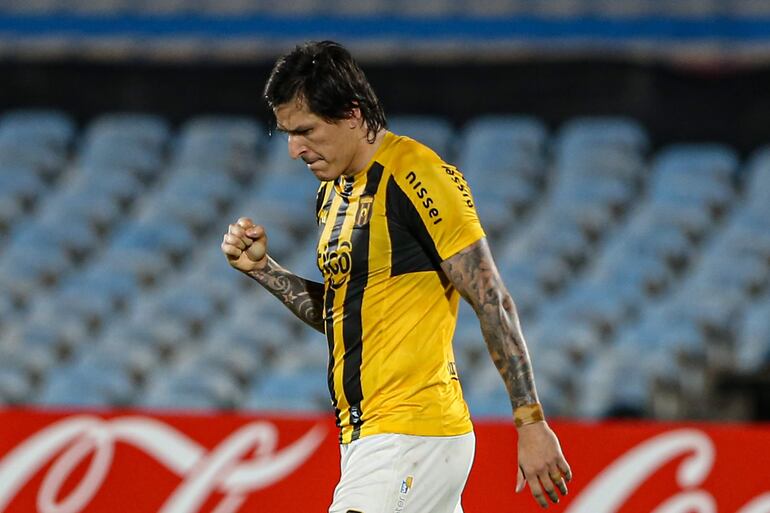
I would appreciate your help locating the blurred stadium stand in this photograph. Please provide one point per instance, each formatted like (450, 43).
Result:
(640, 274)
(627, 201)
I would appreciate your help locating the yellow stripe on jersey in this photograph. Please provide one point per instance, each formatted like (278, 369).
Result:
(390, 312)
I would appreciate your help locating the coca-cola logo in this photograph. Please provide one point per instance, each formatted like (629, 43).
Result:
(609, 491)
(245, 461)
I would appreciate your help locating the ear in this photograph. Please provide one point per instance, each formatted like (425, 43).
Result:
(354, 117)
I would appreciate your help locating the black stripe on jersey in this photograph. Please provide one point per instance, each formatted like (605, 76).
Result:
(412, 248)
(319, 199)
(352, 324)
(334, 239)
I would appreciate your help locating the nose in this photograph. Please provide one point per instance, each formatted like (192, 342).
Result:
(296, 148)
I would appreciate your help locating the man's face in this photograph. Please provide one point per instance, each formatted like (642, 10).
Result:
(328, 148)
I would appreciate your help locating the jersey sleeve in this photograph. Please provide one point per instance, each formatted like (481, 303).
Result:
(442, 200)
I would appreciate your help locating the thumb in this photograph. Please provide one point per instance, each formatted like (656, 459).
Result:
(520, 481)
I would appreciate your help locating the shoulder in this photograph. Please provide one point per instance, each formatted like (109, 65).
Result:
(408, 157)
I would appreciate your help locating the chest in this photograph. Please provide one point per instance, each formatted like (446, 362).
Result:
(352, 238)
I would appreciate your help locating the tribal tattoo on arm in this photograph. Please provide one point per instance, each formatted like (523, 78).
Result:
(303, 297)
(473, 272)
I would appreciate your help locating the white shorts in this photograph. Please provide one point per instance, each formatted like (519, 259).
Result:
(393, 473)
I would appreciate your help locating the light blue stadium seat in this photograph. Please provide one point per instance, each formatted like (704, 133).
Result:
(496, 215)
(8, 309)
(25, 271)
(484, 137)
(85, 385)
(33, 359)
(196, 213)
(295, 218)
(227, 143)
(243, 131)
(238, 360)
(213, 184)
(618, 379)
(601, 161)
(193, 307)
(147, 266)
(292, 188)
(592, 302)
(276, 389)
(213, 276)
(23, 187)
(76, 239)
(434, 132)
(171, 336)
(147, 130)
(303, 261)
(752, 351)
(94, 307)
(746, 275)
(121, 155)
(122, 188)
(703, 162)
(10, 208)
(131, 348)
(46, 162)
(15, 385)
(191, 387)
(155, 238)
(492, 404)
(757, 185)
(35, 347)
(101, 212)
(100, 280)
(71, 326)
(622, 133)
(50, 127)
(683, 337)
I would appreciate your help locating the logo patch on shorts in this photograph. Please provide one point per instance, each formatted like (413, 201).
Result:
(406, 485)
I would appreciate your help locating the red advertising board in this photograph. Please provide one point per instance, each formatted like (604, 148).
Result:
(134, 461)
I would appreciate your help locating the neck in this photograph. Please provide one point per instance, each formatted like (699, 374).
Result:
(365, 154)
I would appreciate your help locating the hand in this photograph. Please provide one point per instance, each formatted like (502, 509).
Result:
(541, 463)
(245, 245)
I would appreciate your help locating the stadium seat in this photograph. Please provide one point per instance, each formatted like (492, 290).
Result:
(189, 386)
(278, 389)
(752, 351)
(50, 127)
(434, 132)
(15, 386)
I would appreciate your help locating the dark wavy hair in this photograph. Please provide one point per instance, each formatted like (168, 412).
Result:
(326, 76)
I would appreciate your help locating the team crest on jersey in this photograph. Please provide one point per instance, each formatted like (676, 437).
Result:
(335, 264)
(364, 212)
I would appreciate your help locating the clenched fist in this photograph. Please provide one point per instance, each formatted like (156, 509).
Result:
(245, 245)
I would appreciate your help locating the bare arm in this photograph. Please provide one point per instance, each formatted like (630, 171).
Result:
(541, 462)
(245, 246)
(473, 272)
(303, 297)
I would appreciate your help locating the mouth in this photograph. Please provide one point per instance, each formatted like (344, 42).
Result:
(313, 164)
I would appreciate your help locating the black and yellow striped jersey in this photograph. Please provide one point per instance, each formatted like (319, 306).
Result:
(389, 310)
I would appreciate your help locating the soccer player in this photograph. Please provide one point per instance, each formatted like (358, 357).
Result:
(400, 242)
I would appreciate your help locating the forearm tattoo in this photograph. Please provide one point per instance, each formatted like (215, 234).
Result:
(473, 273)
(303, 297)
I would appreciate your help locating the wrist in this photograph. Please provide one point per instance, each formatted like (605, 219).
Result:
(258, 266)
(528, 414)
